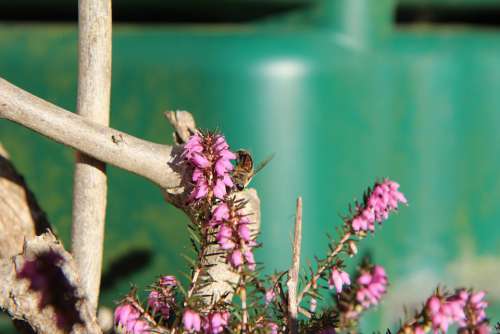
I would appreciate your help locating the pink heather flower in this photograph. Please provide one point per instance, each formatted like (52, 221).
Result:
(272, 327)
(236, 259)
(128, 320)
(234, 234)
(215, 322)
(418, 330)
(250, 260)
(159, 304)
(439, 313)
(269, 296)
(221, 212)
(191, 321)
(338, 278)
(224, 236)
(473, 311)
(383, 199)
(373, 285)
(210, 158)
(168, 281)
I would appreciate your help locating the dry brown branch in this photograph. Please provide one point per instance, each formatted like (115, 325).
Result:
(90, 181)
(23, 304)
(153, 161)
(20, 215)
(293, 273)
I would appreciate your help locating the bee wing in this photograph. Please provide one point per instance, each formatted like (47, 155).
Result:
(263, 164)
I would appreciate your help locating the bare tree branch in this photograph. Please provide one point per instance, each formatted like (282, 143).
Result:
(183, 124)
(90, 181)
(153, 161)
(24, 304)
(293, 273)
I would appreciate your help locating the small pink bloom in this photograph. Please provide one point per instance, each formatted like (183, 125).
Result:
(158, 305)
(200, 161)
(338, 278)
(191, 321)
(128, 320)
(221, 212)
(219, 189)
(269, 297)
(236, 258)
(168, 281)
(244, 232)
(272, 327)
(250, 259)
(418, 330)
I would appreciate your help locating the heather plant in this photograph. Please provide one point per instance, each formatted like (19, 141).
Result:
(47, 289)
(284, 302)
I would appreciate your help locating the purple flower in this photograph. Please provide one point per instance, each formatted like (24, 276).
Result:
(191, 321)
(236, 259)
(215, 322)
(128, 320)
(272, 327)
(383, 199)
(471, 316)
(337, 279)
(373, 285)
(209, 155)
(269, 296)
(234, 234)
(159, 303)
(168, 281)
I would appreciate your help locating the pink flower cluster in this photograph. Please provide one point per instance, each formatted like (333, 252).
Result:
(467, 309)
(383, 199)
(234, 234)
(128, 320)
(337, 279)
(210, 157)
(213, 323)
(161, 300)
(373, 285)
(444, 312)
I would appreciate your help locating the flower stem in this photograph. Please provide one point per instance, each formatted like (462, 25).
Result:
(321, 269)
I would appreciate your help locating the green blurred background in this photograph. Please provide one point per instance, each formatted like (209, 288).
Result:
(343, 91)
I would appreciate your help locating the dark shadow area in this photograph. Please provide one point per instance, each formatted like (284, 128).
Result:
(9, 172)
(480, 16)
(154, 12)
(124, 266)
(46, 277)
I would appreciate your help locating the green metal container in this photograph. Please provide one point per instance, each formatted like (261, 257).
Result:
(339, 92)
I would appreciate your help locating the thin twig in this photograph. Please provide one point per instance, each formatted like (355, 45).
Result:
(329, 259)
(293, 273)
(90, 181)
(244, 310)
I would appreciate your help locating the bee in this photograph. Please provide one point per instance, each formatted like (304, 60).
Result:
(244, 170)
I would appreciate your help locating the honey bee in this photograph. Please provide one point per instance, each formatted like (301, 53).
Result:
(244, 170)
